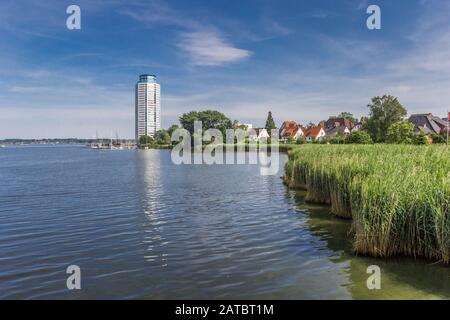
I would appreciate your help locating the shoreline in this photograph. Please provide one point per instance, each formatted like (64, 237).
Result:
(391, 216)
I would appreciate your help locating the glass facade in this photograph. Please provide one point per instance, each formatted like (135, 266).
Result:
(147, 78)
(148, 106)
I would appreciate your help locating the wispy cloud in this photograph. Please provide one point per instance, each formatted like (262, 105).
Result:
(155, 12)
(318, 14)
(209, 48)
(273, 29)
(204, 44)
(28, 89)
(315, 68)
(362, 5)
(430, 43)
(349, 52)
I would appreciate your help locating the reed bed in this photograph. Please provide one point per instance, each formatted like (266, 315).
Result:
(397, 195)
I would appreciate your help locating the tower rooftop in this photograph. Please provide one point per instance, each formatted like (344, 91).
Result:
(147, 78)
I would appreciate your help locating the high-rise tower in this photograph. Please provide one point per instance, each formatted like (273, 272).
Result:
(148, 107)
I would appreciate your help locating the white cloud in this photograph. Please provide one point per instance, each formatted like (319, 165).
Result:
(156, 13)
(362, 5)
(353, 71)
(204, 45)
(208, 48)
(28, 89)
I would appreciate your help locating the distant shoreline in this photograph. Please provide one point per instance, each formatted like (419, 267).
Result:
(15, 141)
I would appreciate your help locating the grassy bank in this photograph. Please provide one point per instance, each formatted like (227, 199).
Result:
(398, 196)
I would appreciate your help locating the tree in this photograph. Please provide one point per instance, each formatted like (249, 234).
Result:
(290, 140)
(421, 138)
(211, 119)
(384, 111)
(301, 140)
(437, 138)
(359, 137)
(349, 116)
(270, 124)
(172, 128)
(338, 139)
(400, 132)
(145, 140)
(162, 137)
(237, 125)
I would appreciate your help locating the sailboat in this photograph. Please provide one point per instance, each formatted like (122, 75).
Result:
(112, 145)
(95, 145)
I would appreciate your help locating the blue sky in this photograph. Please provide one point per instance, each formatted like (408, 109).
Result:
(303, 60)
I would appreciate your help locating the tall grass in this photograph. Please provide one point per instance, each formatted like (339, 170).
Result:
(397, 195)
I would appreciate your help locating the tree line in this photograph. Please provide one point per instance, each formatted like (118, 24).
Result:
(385, 124)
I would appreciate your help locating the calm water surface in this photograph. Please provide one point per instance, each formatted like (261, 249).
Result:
(140, 227)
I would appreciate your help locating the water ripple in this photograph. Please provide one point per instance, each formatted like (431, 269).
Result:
(141, 227)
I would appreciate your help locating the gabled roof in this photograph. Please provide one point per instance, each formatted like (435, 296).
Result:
(290, 132)
(289, 129)
(313, 132)
(303, 128)
(333, 122)
(289, 124)
(427, 123)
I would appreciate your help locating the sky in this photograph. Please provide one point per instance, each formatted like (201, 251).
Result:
(303, 60)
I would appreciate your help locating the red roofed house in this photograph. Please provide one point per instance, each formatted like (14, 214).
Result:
(314, 133)
(290, 129)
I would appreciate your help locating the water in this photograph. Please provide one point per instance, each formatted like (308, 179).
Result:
(140, 227)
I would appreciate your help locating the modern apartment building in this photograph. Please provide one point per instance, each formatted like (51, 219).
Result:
(148, 106)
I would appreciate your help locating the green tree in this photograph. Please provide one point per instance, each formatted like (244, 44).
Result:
(237, 125)
(420, 138)
(145, 140)
(270, 123)
(349, 116)
(172, 128)
(437, 138)
(400, 132)
(211, 119)
(384, 111)
(359, 137)
(162, 137)
(301, 140)
(338, 139)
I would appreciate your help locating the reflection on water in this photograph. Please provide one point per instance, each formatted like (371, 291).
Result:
(402, 278)
(142, 227)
